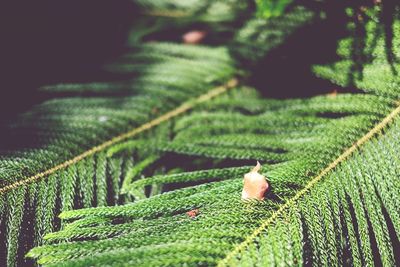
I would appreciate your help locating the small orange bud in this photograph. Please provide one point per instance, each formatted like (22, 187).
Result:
(255, 185)
(333, 94)
(193, 213)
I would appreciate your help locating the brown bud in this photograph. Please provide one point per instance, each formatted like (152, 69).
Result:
(255, 185)
(333, 94)
(193, 37)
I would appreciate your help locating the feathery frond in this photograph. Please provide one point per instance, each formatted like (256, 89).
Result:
(63, 168)
(350, 218)
(147, 171)
(297, 138)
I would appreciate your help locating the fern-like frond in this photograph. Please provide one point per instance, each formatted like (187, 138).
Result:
(80, 189)
(61, 154)
(352, 217)
(296, 138)
(62, 161)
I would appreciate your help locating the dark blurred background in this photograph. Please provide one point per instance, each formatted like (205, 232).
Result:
(56, 41)
(51, 41)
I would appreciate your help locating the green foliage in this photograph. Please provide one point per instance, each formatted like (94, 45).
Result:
(196, 176)
(295, 139)
(217, 16)
(258, 36)
(279, 132)
(370, 69)
(127, 203)
(62, 128)
(271, 8)
(203, 11)
(350, 218)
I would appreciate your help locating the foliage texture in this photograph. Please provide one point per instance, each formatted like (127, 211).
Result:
(296, 139)
(111, 176)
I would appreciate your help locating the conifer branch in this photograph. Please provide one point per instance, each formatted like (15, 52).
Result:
(292, 201)
(167, 116)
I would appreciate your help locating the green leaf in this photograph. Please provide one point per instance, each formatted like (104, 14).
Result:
(271, 8)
